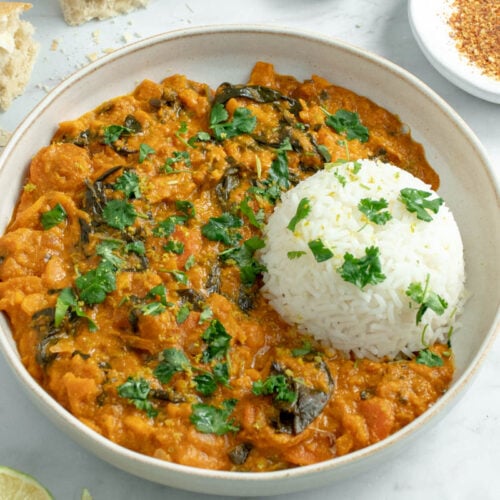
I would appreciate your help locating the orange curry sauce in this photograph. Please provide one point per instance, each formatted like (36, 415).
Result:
(133, 294)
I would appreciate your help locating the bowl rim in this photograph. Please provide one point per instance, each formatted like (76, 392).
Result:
(57, 412)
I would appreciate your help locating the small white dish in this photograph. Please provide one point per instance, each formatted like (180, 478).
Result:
(429, 23)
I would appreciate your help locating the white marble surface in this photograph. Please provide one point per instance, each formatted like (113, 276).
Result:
(458, 458)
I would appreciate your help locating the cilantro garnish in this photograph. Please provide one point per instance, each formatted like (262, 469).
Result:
(182, 314)
(416, 202)
(217, 340)
(128, 183)
(119, 214)
(278, 178)
(113, 132)
(67, 301)
(200, 136)
(171, 361)
(167, 227)
(426, 299)
(243, 256)
(243, 122)
(303, 210)
(372, 210)
(186, 207)
(157, 307)
(136, 247)
(318, 249)
(178, 157)
(94, 285)
(344, 121)
(179, 276)
(174, 246)
(277, 385)
(364, 271)
(205, 315)
(53, 217)
(341, 178)
(302, 351)
(105, 250)
(144, 151)
(222, 228)
(206, 382)
(256, 219)
(295, 254)
(212, 420)
(137, 392)
(429, 358)
(190, 262)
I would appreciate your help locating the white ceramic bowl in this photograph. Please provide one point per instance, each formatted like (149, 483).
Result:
(429, 24)
(217, 54)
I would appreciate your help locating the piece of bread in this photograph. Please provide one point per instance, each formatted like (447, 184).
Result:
(18, 51)
(80, 11)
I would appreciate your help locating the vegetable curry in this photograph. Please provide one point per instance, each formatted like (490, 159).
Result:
(130, 275)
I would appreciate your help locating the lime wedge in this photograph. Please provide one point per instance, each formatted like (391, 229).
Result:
(17, 484)
(86, 494)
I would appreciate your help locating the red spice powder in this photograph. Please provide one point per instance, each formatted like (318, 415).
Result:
(475, 27)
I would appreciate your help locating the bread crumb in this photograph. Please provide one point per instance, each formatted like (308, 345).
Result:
(55, 44)
(92, 57)
(96, 36)
(127, 37)
(4, 137)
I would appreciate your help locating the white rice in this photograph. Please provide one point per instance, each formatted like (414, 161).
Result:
(378, 320)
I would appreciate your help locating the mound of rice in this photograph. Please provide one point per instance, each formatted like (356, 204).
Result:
(376, 320)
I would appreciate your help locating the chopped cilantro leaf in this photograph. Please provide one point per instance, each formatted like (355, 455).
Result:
(217, 340)
(295, 254)
(113, 132)
(182, 314)
(186, 207)
(416, 202)
(179, 276)
(128, 183)
(67, 301)
(320, 252)
(190, 262)
(167, 227)
(363, 271)
(243, 256)
(94, 285)
(428, 358)
(303, 210)
(213, 420)
(105, 250)
(53, 217)
(426, 299)
(145, 151)
(302, 351)
(137, 392)
(277, 385)
(256, 219)
(178, 157)
(174, 246)
(222, 228)
(136, 247)
(344, 121)
(373, 210)
(172, 360)
(119, 214)
(206, 315)
(243, 122)
(206, 382)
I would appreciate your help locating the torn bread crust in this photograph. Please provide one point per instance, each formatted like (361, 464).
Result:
(76, 12)
(18, 51)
